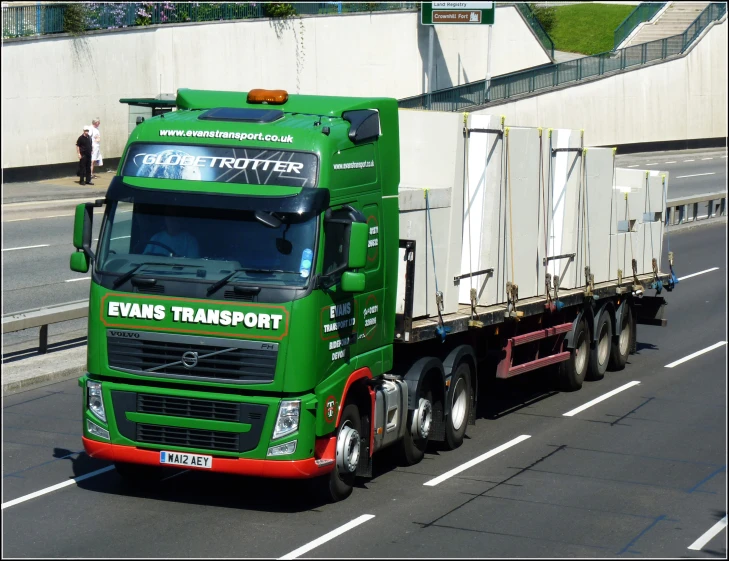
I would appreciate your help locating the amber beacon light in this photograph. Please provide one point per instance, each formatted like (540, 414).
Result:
(274, 97)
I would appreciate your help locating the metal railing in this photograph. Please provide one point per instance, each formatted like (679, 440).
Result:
(43, 19)
(683, 210)
(642, 12)
(43, 317)
(551, 76)
(533, 22)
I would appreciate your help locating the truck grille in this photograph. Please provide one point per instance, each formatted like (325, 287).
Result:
(183, 407)
(190, 438)
(191, 357)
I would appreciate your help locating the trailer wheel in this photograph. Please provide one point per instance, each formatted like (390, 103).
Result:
(600, 355)
(572, 372)
(411, 449)
(338, 484)
(622, 342)
(459, 395)
(140, 475)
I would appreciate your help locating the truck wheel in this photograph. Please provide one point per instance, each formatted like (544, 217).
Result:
(411, 449)
(139, 474)
(572, 371)
(338, 484)
(459, 395)
(600, 355)
(620, 346)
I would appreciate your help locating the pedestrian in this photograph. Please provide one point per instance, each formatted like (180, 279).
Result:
(83, 150)
(95, 146)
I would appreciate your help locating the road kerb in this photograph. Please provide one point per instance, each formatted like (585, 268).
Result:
(40, 370)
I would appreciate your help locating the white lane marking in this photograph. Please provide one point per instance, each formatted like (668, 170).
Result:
(471, 463)
(695, 175)
(707, 537)
(723, 156)
(74, 280)
(599, 399)
(671, 162)
(56, 487)
(38, 217)
(697, 353)
(652, 164)
(330, 536)
(707, 159)
(688, 160)
(634, 166)
(699, 273)
(26, 247)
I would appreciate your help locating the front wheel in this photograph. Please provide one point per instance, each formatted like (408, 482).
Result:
(459, 396)
(338, 484)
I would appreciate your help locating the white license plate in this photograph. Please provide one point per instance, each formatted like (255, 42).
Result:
(185, 460)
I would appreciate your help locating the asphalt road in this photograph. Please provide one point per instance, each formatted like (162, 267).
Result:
(640, 474)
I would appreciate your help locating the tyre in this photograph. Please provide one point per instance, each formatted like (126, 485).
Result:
(600, 354)
(459, 397)
(139, 474)
(622, 341)
(571, 372)
(338, 484)
(410, 450)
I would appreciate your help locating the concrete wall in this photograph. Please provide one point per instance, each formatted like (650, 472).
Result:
(678, 100)
(52, 87)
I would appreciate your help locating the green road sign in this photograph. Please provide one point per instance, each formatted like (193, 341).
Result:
(476, 13)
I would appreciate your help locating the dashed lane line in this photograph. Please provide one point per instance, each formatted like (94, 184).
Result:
(478, 460)
(695, 175)
(74, 280)
(699, 273)
(599, 399)
(697, 353)
(709, 535)
(56, 487)
(328, 537)
(26, 247)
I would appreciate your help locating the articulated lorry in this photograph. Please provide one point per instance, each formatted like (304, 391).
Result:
(285, 285)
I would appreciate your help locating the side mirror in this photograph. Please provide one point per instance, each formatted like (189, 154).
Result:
(83, 225)
(358, 232)
(80, 262)
(353, 282)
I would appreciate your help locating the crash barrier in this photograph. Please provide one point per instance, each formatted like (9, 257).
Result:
(537, 28)
(686, 209)
(43, 317)
(549, 77)
(43, 19)
(645, 11)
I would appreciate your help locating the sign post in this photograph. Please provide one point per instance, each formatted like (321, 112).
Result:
(461, 13)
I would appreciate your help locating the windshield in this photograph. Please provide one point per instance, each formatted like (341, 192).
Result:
(206, 245)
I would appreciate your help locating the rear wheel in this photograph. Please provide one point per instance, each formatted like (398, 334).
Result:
(459, 396)
(572, 371)
(339, 483)
(621, 343)
(411, 448)
(600, 354)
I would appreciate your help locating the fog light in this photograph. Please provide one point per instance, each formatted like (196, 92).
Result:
(94, 401)
(287, 420)
(282, 449)
(96, 430)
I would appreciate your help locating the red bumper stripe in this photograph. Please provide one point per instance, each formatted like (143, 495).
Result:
(291, 469)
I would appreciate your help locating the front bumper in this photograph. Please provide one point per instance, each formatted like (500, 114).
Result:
(321, 464)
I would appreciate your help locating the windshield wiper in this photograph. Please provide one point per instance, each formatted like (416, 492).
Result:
(216, 286)
(130, 273)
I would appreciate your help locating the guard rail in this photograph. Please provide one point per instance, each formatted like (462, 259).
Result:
(43, 317)
(686, 209)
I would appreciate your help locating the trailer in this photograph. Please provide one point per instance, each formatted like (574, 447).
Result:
(285, 285)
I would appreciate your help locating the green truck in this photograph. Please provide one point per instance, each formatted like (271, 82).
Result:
(251, 301)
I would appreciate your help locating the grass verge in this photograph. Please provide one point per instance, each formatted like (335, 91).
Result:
(587, 28)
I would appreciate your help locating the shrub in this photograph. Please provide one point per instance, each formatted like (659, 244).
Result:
(74, 19)
(278, 10)
(545, 16)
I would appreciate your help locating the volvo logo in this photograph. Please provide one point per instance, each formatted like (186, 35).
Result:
(189, 359)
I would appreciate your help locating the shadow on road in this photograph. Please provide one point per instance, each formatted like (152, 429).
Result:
(14, 356)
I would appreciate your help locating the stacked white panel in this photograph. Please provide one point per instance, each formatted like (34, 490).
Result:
(629, 198)
(595, 217)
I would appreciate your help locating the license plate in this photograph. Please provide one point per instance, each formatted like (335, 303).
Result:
(186, 460)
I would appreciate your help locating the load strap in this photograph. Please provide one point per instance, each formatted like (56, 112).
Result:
(441, 330)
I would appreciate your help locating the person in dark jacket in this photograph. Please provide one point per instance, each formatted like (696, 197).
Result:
(83, 151)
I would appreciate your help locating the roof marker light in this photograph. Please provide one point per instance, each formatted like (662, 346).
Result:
(273, 97)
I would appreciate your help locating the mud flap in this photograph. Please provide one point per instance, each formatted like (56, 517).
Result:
(650, 310)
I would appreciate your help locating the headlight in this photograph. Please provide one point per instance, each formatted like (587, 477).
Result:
(94, 401)
(287, 420)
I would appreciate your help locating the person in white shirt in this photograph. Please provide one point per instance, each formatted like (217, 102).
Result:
(175, 238)
(95, 146)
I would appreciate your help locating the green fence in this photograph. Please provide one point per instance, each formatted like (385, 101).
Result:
(42, 19)
(643, 12)
(549, 77)
(539, 31)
